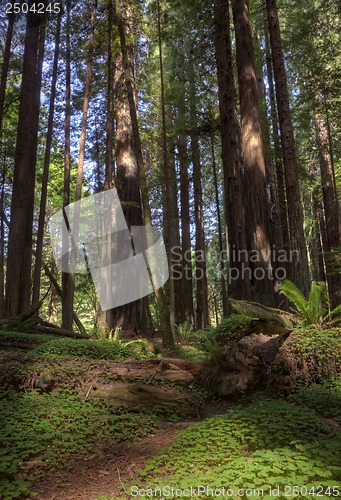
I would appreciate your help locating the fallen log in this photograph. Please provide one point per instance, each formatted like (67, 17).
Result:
(61, 332)
(271, 320)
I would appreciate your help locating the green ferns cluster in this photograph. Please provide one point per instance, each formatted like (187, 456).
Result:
(315, 308)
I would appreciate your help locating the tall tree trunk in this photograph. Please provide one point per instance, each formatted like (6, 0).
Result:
(298, 271)
(97, 158)
(130, 317)
(82, 141)
(67, 278)
(169, 215)
(19, 260)
(87, 90)
(231, 154)
(42, 211)
(318, 272)
(105, 317)
(109, 144)
(220, 236)
(53, 313)
(168, 338)
(175, 232)
(255, 198)
(186, 261)
(5, 65)
(275, 223)
(2, 244)
(332, 216)
(280, 183)
(202, 313)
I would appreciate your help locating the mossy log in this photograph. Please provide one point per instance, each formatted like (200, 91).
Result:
(271, 320)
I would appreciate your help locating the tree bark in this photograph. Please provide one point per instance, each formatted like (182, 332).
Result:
(5, 65)
(185, 268)
(43, 197)
(109, 144)
(87, 90)
(274, 220)
(53, 314)
(202, 313)
(317, 255)
(231, 153)
(331, 211)
(2, 245)
(169, 212)
(105, 317)
(80, 166)
(298, 271)
(19, 261)
(220, 236)
(168, 338)
(280, 183)
(130, 317)
(67, 278)
(255, 198)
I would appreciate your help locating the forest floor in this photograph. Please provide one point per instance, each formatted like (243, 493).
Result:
(82, 428)
(106, 470)
(109, 471)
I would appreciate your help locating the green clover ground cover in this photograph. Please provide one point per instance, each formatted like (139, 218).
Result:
(48, 428)
(269, 444)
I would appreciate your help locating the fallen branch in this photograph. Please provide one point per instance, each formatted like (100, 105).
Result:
(159, 367)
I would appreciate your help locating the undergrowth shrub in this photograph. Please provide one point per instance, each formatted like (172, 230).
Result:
(190, 353)
(92, 349)
(184, 331)
(19, 338)
(217, 341)
(232, 328)
(47, 346)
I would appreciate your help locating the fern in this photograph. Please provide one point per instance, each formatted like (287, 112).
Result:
(317, 302)
(314, 309)
(292, 293)
(334, 312)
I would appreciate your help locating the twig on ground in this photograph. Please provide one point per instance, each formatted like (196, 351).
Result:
(159, 367)
(87, 394)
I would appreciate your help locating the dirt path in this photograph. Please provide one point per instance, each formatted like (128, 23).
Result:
(104, 471)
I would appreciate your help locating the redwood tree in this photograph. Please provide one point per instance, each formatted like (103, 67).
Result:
(19, 260)
(255, 198)
(231, 150)
(123, 19)
(330, 204)
(298, 271)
